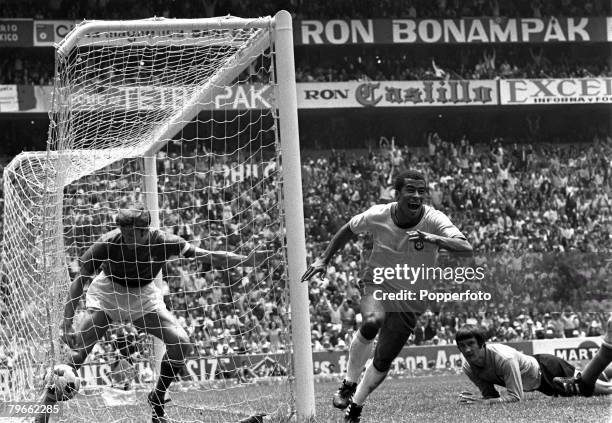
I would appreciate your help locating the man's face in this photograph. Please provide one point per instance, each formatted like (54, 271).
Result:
(410, 197)
(473, 353)
(133, 236)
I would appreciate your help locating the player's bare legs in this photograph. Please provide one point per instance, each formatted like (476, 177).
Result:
(90, 331)
(391, 340)
(163, 325)
(587, 382)
(360, 349)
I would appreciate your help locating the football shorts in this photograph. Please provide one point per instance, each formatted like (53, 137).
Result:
(398, 317)
(121, 303)
(551, 367)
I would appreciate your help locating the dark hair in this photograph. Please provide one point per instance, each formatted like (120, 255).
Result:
(134, 214)
(400, 180)
(470, 331)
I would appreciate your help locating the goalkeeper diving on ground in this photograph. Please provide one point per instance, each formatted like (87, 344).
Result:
(487, 365)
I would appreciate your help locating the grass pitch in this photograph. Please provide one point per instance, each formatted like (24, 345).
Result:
(434, 399)
(397, 400)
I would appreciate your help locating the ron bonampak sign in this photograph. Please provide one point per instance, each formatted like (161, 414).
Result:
(555, 91)
(451, 31)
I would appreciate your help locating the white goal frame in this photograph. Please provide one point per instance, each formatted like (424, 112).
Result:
(280, 28)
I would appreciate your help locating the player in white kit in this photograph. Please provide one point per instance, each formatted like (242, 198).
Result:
(121, 267)
(405, 233)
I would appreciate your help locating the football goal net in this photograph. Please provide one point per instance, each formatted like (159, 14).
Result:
(197, 119)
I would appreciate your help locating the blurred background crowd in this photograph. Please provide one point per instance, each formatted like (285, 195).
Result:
(354, 62)
(383, 63)
(302, 9)
(538, 216)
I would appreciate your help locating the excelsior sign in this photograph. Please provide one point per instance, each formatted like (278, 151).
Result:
(555, 91)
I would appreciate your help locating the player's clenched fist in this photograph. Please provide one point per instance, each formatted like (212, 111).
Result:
(317, 267)
(422, 236)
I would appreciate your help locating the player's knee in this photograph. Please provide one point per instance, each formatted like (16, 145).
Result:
(78, 357)
(187, 349)
(386, 352)
(382, 364)
(372, 322)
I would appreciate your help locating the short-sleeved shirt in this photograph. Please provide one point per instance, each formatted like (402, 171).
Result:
(133, 267)
(391, 246)
(507, 367)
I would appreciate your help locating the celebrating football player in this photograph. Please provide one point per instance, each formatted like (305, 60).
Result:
(405, 233)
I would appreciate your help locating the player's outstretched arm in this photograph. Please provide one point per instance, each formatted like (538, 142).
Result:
(487, 389)
(512, 379)
(220, 259)
(466, 398)
(344, 235)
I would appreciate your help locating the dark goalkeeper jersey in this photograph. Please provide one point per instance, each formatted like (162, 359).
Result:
(133, 267)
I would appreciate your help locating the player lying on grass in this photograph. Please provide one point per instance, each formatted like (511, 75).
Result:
(585, 382)
(124, 263)
(495, 364)
(405, 232)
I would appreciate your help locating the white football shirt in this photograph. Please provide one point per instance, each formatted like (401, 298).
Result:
(391, 246)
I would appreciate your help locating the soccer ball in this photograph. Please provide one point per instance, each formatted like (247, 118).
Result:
(62, 382)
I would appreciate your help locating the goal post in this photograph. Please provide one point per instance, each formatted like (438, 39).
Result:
(198, 119)
(296, 240)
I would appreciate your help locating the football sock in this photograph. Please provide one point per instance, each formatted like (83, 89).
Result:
(597, 365)
(607, 374)
(371, 379)
(607, 338)
(601, 360)
(359, 352)
(76, 359)
(168, 372)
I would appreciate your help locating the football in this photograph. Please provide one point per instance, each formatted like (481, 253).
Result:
(62, 382)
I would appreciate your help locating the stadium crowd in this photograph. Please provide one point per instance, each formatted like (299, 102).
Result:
(34, 66)
(539, 217)
(387, 63)
(394, 64)
(301, 9)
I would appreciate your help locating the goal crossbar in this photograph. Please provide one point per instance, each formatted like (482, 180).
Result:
(142, 31)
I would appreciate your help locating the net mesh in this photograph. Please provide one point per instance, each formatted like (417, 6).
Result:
(183, 97)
